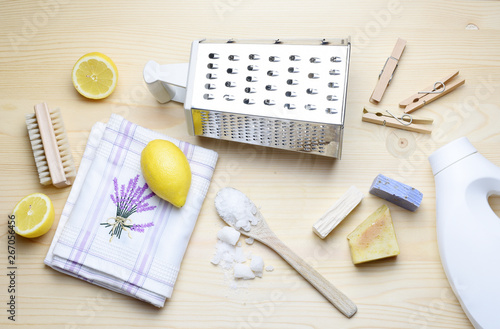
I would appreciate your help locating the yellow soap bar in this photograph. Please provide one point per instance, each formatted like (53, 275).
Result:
(374, 238)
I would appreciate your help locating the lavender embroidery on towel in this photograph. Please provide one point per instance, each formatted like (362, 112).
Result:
(128, 201)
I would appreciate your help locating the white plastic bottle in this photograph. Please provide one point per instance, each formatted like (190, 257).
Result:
(468, 230)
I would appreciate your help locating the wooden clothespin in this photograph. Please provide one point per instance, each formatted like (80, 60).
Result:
(438, 90)
(387, 72)
(405, 122)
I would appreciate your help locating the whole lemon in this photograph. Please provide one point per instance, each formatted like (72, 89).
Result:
(166, 171)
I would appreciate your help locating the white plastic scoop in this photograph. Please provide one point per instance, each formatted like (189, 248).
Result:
(238, 211)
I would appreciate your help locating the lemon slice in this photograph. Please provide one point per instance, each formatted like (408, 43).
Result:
(34, 215)
(95, 76)
(167, 171)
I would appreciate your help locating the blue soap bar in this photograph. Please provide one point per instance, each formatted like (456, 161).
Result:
(398, 193)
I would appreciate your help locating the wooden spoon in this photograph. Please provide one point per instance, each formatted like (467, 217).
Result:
(262, 233)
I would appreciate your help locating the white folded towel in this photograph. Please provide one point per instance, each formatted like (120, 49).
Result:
(113, 231)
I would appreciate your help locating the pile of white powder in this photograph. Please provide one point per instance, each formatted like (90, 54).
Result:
(229, 255)
(235, 208)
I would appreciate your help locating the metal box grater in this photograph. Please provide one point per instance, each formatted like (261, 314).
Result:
(283, 94)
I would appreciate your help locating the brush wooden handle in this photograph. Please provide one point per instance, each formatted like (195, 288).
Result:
(50, 146)
(328, 290)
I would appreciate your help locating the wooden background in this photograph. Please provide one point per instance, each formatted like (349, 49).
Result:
(41, 40)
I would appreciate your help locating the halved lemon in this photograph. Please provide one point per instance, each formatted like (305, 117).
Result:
(34, 215)
(95, 75)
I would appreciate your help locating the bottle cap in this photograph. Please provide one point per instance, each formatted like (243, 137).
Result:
(450, 154)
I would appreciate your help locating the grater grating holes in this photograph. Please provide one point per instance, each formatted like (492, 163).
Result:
(267, 132)
(287, 65)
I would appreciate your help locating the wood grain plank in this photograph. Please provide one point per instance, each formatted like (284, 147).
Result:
(410, 291)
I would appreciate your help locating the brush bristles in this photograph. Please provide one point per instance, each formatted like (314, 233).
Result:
(62, 145)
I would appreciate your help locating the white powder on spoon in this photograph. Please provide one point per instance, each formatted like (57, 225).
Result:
(236, 209)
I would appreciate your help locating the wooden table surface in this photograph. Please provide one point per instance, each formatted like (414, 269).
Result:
(40, 42)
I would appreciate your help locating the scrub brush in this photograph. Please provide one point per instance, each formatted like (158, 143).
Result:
(50, 147)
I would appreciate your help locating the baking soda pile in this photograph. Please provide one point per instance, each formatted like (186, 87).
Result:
(235, 208)
(229, 254)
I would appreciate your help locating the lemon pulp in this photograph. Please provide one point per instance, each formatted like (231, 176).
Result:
(34, 215)
(95, 75)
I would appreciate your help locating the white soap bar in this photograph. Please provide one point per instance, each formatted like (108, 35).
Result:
(257, 265)
(338, 212)
(243, 272)
(229, 235)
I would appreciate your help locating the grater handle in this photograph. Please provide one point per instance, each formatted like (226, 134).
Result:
(166, 82)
